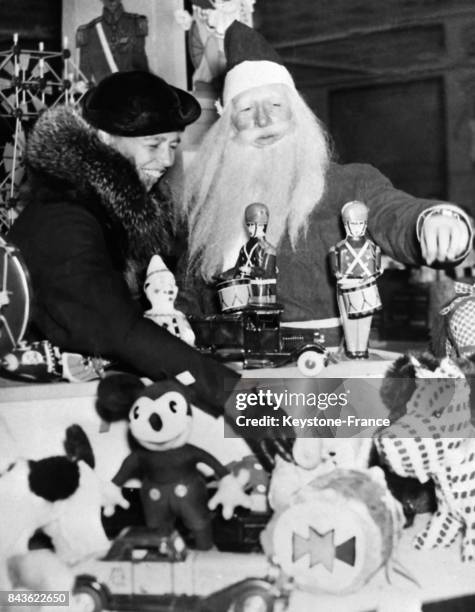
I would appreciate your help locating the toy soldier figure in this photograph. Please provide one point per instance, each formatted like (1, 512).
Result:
(113, 42)
(257, 258)
(356, 263)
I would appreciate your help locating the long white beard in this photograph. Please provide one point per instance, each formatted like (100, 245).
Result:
(288, 177)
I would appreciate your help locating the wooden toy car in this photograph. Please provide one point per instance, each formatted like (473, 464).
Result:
(135, 575)
(254, 337)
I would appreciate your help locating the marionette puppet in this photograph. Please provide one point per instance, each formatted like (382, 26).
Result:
(432, 438)
(160, 421)
(356, 263)
(161, 291)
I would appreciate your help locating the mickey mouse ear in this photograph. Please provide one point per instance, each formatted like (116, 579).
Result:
(116, 394)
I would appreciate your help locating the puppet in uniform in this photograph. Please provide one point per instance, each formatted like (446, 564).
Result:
(356, 262)
(114, 41)
(257, 257)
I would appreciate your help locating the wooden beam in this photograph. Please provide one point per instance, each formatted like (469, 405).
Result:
(337, 66)
(364, 31)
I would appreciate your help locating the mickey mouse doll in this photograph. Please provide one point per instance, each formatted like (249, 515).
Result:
(160, 421)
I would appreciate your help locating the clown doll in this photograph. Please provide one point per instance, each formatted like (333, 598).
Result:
(356, 263)
(161, 291)
(257, 257)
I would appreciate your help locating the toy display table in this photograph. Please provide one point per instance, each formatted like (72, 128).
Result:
(33, 419)
(44, 411)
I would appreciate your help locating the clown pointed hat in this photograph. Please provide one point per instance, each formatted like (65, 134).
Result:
(156, 266)
(251, 62)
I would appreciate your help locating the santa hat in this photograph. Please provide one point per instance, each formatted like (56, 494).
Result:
(157, 266)
(251, 62)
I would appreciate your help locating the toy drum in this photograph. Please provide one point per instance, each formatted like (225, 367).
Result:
(335, 532)
(15, 296)
(263, 291)
(360, 297)
(234, 294)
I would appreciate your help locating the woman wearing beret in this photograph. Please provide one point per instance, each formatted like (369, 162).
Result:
(96, 209)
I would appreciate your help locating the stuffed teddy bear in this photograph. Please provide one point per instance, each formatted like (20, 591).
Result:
(431, 437)
(161, 291)
(160, 421)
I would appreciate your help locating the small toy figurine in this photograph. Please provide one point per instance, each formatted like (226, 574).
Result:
(356, 263)
(253, 280)
(161, 291)
(431, 437)
(41, 361)
(160, 421)
(257, 258)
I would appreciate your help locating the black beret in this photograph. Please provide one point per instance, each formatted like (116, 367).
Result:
(138, 103)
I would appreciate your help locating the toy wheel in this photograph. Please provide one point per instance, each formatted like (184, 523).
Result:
(310, 363)
(88, 599)
(253, 600)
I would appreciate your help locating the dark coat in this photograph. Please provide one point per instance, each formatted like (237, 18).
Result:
(88, 223)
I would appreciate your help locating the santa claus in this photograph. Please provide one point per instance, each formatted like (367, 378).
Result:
(269, 147)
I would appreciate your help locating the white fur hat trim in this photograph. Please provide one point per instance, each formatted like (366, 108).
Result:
(250, 74)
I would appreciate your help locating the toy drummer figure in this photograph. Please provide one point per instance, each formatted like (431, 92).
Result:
(257, 258)
(356, 263)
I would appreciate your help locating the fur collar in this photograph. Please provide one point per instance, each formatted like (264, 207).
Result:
(63, 146)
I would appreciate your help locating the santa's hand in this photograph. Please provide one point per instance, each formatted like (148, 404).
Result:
(230, 494)
(445, 234)
(112, 497)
